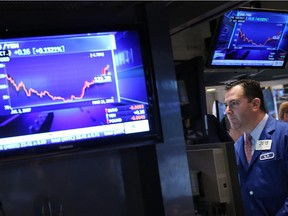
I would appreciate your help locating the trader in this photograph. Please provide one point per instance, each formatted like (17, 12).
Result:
(262, 171)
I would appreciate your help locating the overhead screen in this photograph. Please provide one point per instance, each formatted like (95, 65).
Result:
(65, 91)
(251, 38)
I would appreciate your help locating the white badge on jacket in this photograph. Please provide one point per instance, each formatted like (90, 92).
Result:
(263, 144)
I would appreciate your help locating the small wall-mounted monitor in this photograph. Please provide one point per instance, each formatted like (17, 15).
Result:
(270, 101)
(250, 38)
(79, 89)
(219, 110)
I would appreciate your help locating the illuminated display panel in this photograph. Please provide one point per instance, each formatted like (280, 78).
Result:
(250, 38)
(62, 90)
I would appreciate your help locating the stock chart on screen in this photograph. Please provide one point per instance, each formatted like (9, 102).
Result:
(58, 73)
(72, 87)
(252, 38)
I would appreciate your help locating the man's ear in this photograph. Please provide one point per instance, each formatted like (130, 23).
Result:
(256, 103)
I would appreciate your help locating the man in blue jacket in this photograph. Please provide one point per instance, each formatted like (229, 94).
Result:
(263, 172)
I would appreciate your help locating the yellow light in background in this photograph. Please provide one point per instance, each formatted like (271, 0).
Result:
(210, 89)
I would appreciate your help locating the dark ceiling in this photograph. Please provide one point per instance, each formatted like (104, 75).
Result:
(182, 15)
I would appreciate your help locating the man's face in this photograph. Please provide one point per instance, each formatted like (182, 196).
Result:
(238, 109)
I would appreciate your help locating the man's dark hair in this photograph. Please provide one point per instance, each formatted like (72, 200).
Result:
(252, 89)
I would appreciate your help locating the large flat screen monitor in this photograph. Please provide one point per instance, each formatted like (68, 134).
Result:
(250, 38)
(71, 90)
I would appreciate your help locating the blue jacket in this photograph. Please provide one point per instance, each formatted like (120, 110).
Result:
(264, 183)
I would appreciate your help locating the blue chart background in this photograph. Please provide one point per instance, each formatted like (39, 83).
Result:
(260, 35)
(61, 75)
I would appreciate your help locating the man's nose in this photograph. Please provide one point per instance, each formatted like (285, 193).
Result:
(227, 109)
